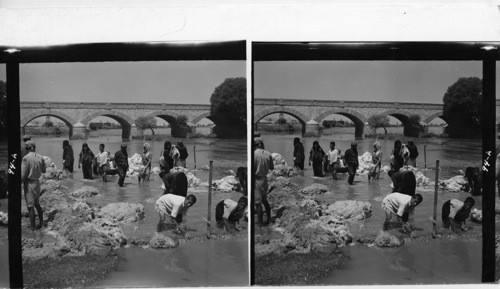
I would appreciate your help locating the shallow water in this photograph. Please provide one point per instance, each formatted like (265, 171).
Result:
(453, 155)
(198, 261)
(433, 262)
(211, 263)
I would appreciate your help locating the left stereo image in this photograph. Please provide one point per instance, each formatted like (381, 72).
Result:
(131, 166)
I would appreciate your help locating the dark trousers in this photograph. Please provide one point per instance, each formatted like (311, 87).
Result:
(351, 170)
(219, 212)
(318, 168)
(299, 162)
(87, 171)
(445, 212)
(68, 166)
(122, 172)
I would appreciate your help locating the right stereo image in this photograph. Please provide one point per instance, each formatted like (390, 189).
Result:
(374, 163)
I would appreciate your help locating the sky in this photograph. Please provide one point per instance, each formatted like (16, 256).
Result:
(386, 81)
(185, 82)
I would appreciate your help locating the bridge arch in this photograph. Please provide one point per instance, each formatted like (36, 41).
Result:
(302, 118)
(403, 117)
(170, 116)
(197, 119)
(358, 119)
(68, 120)
(433, 116)
(124, 120)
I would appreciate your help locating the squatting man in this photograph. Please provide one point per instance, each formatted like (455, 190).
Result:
(171, 209)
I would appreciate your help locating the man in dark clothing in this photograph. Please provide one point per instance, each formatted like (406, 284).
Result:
(298, 154)
(175, 183)
(68, 158)
(166, 160)
(121, 162)
(241, 174)
(474, 177)
(351, 158)
(404, 182)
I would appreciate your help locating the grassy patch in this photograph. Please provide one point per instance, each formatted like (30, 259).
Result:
(77, 271)
(296, 269)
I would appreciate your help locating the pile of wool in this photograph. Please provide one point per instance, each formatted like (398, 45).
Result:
(48, 162)
(134, 164)
(278, 159)
(476, 215)
(454, 184)
(365, 163)
(4, 218)
(226, 184)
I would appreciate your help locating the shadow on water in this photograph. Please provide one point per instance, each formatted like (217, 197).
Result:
(446, 260)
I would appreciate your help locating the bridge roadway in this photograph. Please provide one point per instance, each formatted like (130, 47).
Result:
(77, 115)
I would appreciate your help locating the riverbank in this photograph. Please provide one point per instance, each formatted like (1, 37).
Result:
(69, 272)
(297, 269)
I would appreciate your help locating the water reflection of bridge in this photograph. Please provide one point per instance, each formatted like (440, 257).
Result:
(77, 116)
(311, 113)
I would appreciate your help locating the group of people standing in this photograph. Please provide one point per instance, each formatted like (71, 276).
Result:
(104, 163)
(335, 162)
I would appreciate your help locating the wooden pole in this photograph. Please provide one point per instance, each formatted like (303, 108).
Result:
(209, 200)
(425, 157)
(435, 200)
(194, 154)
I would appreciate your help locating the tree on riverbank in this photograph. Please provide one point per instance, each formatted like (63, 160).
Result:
(229, 109)
(462, 108)
(378, 121)
(182, 128)
(146, 122)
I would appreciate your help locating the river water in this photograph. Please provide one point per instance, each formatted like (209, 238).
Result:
(220, 261)
(463, 266)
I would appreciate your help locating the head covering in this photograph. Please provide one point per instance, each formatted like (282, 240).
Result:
(354, 145)
(147, 146)
(26, 138)
(29, 144)
(377, 145)
(296, 140)
(123, 147)
(65, 142)
(180, 144)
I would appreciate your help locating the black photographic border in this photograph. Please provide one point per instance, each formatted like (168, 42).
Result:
(97, 52)
(487, 52)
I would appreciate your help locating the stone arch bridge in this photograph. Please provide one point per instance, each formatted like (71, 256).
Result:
(77, 116)
(311, 113)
